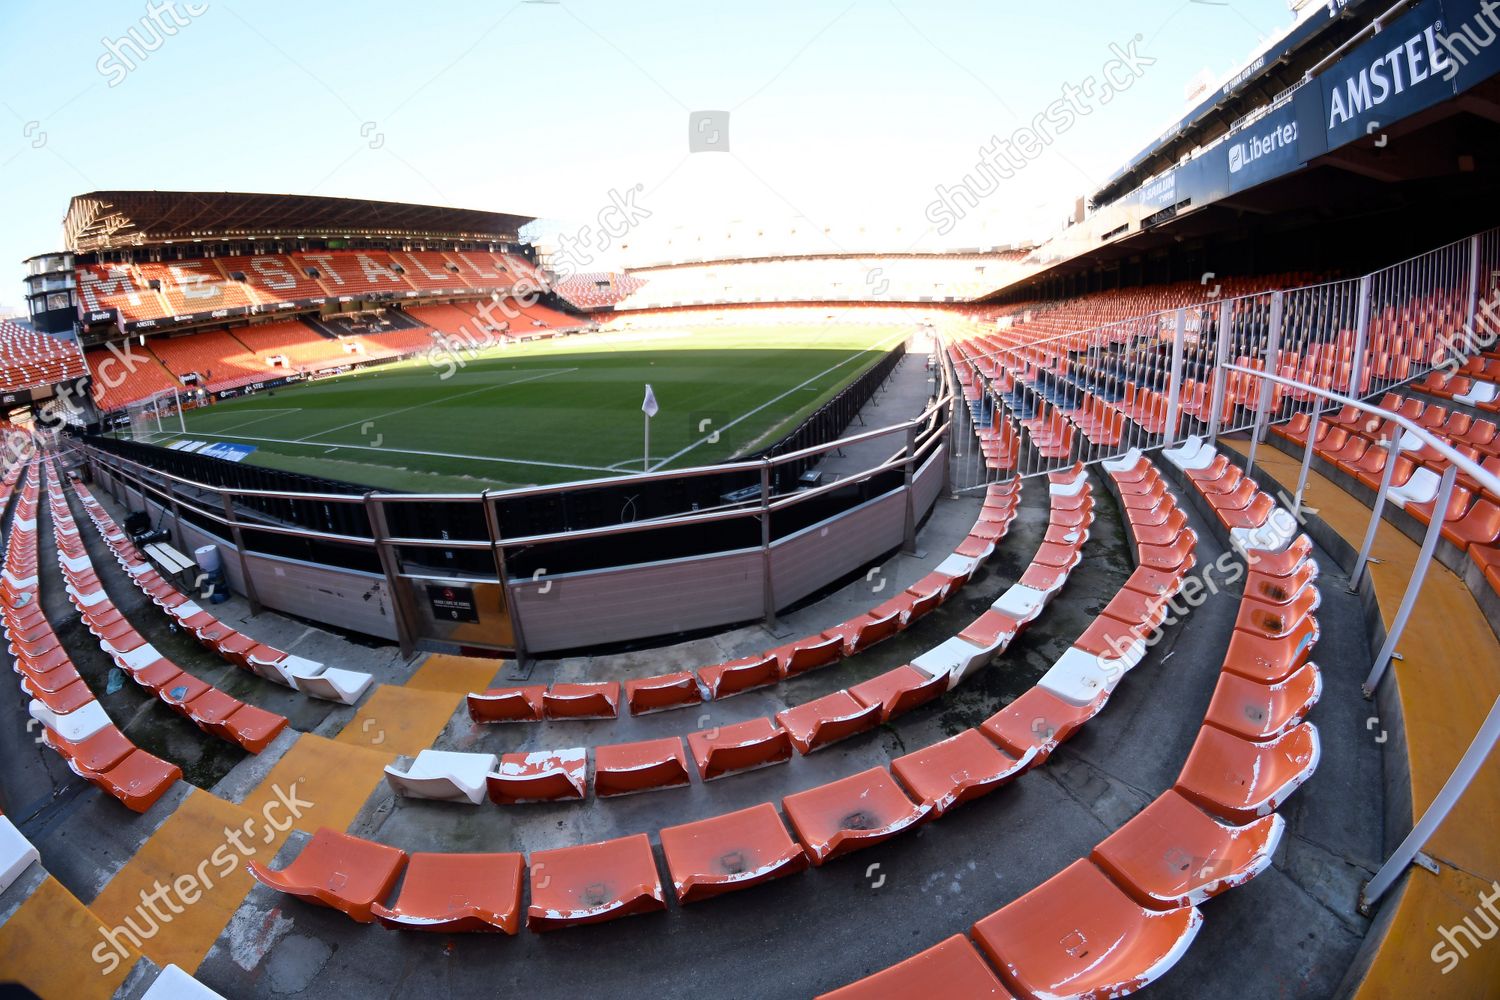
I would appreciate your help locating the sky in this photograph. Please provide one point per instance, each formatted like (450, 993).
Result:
(842, 115)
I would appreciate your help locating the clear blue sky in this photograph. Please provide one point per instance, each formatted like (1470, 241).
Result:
(842, 113)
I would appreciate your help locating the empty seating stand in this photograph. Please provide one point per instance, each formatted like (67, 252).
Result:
(266, 661)
(83, 734)
(1118, 920)
(210, 709)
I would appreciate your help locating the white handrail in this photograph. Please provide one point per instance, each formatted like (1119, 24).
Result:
(1468, 466)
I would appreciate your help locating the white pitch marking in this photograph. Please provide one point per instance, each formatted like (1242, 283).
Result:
(750, 413)
(548, 373)
(266, 415)
(500, 460)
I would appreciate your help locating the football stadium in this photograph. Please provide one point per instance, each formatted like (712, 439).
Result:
(852, 566)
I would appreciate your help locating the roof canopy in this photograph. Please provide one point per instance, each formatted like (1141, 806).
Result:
(102, 220)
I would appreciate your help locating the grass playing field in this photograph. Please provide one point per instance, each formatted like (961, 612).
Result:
(549, 411)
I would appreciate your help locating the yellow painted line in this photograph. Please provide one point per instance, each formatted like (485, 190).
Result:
(1416, 951)
(48, 946)
(400, 720)
(458, 674)
(328, 781)
(195, 864)
(1448, 677)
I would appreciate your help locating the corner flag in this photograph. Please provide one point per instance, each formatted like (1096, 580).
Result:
(649, 407)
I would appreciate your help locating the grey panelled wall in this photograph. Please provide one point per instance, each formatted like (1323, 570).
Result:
(821, 553)
(597, 607)
(632, 602)
(343, 598)
(928, 483)
(681, 595)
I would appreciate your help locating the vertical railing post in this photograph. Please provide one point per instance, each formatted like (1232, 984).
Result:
(1453, 789)
(909, 544)
(1307, 455)
(768, 583)
(389, 565)
(238, 538)
(1263, 409)
(512, 606)
(1393, 450)
(1414, 585)
(1471, 314)
(1221, 356)
(1174, 380)
(1361, 337)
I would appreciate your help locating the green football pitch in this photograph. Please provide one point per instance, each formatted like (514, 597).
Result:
(548, 411)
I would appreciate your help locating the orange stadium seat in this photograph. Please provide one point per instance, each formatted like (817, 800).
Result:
(733, 851)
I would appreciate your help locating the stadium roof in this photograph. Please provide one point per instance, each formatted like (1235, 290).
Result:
(101, 220)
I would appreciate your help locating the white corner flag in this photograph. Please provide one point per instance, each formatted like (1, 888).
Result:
(650, 409)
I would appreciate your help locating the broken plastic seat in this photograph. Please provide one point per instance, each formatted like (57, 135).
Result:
(1037, 722)
(957, 770)
(1109, 639)
(1079, 935)
(253, 728)
(136, 780)
(513, 704)
(987, 533)
(336, 684)
(457, 893)
(733, 851)
(826, 720)
(953, 963)
(860, 633)
(443, 775)
(16, 853)
(173, 983)
(538, 776)
(623, 768)
(1240, 780)
(858, 811)
(1024, 603)
(807, 654)
(911, 605)
(1172, 854)
(591, 883)
(96, 753)
(898, 691)
(747, 673)
(594, 700)
(334, 869)
(957, 658)
(645, 695)
(743, 746)
(1081, 678)
(68, 698)
(71, 726)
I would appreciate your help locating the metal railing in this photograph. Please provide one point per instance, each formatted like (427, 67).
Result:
(397, 547)
(1412, 437)
(1152, 379)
